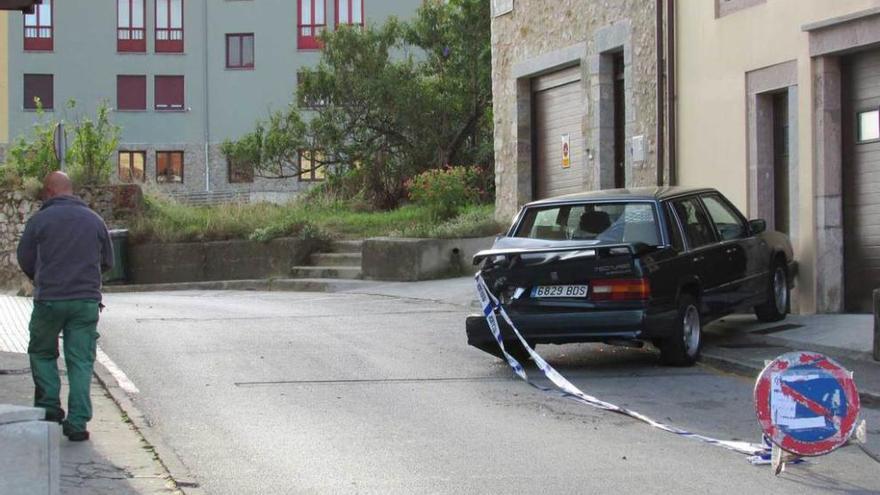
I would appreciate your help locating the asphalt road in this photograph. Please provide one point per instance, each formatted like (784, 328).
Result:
(269, 393)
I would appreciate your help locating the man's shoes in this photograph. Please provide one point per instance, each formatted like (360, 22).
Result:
(77, 436)
(55, 417)
(74, 436)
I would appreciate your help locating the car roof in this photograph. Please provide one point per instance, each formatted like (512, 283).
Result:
(631, 194)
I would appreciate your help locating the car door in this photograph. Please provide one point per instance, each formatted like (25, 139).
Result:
(707, 257)
(747, 252)
(739, 246)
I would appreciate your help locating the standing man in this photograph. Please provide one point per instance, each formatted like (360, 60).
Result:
(64, 249)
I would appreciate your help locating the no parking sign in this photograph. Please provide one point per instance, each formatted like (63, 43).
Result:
(807, 404)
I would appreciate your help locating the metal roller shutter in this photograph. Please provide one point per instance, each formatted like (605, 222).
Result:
(861, 177)
(558, 106)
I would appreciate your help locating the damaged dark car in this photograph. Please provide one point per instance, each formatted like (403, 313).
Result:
(630, 266)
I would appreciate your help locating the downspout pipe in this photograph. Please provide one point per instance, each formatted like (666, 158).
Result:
(671, 90)
(207, 110)
(661, 93)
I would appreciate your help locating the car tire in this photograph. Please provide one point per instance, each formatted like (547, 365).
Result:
(683, 347)
(778, 295)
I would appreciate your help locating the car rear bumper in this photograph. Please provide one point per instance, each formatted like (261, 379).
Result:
(571, 327)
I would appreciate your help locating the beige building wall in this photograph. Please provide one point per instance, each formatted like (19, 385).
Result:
(714, 56)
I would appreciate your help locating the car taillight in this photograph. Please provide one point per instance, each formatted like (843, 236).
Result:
(623, 289)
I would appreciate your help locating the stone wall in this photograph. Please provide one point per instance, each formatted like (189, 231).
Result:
(539, 36)
(410, 260)
(113, 203)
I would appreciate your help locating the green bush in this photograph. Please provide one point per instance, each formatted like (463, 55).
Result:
(444, 191)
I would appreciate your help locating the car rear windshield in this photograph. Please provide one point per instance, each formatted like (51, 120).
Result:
(624, 222)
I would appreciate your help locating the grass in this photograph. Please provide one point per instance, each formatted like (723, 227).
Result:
(168, 221)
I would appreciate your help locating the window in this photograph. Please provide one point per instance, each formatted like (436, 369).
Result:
(305, 102)
(169, 167)
(169, 92)
(131, 92)
(697, 227)
(240, 51)
(130, 32)
(169, 26)
(869, 126)
(311, 167)
(239, 172)
(350, 12)
(39, 86)
(601, 222)
(729, 223)
(675, 238)
(38, 30)
(311, 24)
(131, 166)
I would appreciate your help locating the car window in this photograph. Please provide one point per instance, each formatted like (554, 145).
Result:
(730, 226)
(697, 227)
(607, 222)
(674, 232)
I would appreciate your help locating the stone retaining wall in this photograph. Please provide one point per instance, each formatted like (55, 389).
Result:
(409, 260)
(162, 263)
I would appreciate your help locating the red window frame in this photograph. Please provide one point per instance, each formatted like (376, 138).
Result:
(350, 4)
(33, 85)
(131, 38)
(131, 92)
(169, 39)
(309, 30)
(241, 62)
(40, 37)
(165, 97)
(169, 165)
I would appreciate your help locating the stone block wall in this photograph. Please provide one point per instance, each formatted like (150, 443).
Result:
(538, 36)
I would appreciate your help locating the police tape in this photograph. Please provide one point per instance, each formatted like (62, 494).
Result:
(491, 306)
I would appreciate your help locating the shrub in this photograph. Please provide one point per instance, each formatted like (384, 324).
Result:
(444, 191)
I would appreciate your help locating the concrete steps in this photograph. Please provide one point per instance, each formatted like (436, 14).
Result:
(343, 262)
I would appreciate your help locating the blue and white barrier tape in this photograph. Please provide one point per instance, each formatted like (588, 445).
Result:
(492, 308)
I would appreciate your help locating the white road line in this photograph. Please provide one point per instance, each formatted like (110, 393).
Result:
(14, 336)
(118, 374)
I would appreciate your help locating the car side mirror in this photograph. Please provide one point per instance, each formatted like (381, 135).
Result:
(757, 226)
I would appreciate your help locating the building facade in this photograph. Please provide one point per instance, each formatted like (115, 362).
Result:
(580, 91)
(779, 107)
(182, 76)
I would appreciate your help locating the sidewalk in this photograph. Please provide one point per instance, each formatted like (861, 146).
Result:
(116, 460)
(743, 343)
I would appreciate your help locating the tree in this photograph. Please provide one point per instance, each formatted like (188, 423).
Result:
(388, 102)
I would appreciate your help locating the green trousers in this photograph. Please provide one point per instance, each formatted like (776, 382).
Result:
(78, 319)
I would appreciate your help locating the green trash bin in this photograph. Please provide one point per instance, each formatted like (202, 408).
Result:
(119, 238)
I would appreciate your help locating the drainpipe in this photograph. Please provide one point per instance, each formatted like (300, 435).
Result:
(671, 91)
(207, 110)
(661, 93)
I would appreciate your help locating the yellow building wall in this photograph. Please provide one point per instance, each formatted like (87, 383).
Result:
(4, 78)
(713, 57)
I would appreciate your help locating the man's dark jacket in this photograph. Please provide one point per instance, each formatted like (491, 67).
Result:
(64, 249)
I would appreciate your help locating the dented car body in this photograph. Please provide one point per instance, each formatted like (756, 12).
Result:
(632, 266)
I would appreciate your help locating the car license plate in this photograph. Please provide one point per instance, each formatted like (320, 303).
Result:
(559, 291)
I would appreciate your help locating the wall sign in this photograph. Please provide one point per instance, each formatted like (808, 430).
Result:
(566, 151)
(501, 7)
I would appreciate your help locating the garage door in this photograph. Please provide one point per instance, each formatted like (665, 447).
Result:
(558, 105)
(861, 176)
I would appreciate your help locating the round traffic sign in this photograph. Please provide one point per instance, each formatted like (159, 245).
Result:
(807, 403)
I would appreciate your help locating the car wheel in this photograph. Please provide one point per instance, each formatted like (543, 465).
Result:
(776, 306)
(683, 347)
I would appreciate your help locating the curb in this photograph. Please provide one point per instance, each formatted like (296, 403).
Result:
(750, 370)
(267, 285)
(179, 474)
(824, 349)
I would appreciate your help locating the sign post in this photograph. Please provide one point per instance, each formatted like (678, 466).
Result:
(807, 405)
(60, 144)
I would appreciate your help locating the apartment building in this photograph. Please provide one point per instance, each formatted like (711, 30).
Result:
(182, 76)
(779, 107)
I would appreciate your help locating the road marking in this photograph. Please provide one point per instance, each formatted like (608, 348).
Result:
(14, 336)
